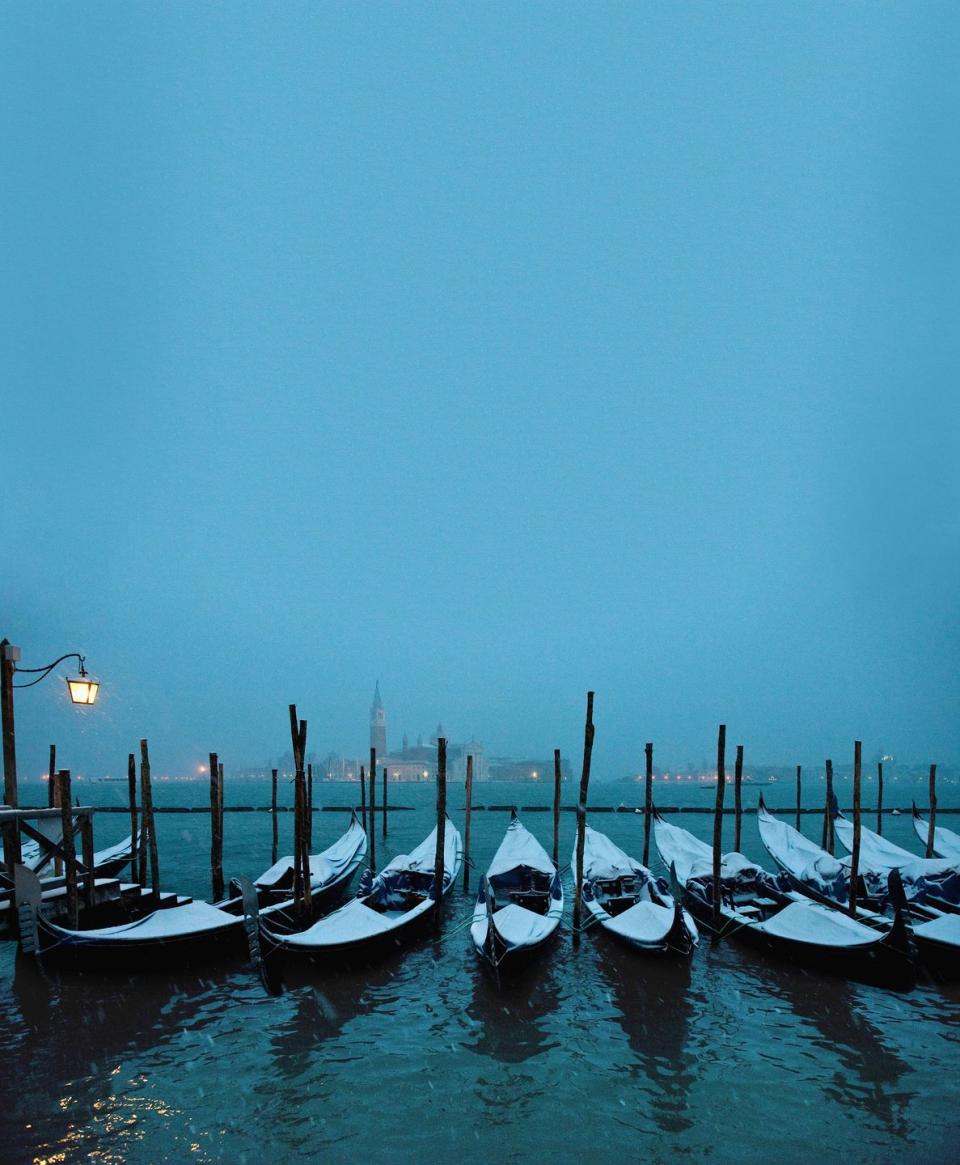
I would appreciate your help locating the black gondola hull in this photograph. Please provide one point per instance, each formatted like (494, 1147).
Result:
(123, 956)
(886, 963)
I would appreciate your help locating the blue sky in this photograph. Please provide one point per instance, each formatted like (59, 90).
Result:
(499, 352)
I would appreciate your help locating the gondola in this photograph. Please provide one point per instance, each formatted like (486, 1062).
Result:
(388, 910)
(136, 934)
(812, 871)
(519, 904)
(135, 931)
(759, 909)
(107, 863)
(934, 881)
(946, 843)
(330, 871)
(628, 902)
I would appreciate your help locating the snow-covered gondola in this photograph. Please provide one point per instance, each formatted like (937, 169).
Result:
(176, 935)
(519, 904)
(387, 911)
(758, 909)
(946, 843)
(330, 871)
(137, 932)
(624, 898)
(107, 863)
(812, 871)
(933, 881)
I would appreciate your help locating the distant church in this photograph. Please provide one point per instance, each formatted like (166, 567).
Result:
(418, 762)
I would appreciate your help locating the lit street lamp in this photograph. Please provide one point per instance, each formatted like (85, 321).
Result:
(83, 689)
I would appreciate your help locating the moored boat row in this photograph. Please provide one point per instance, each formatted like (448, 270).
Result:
(798, 914)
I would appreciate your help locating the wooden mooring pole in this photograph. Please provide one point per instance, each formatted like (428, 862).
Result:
(363, 798)
(798, 799)
(737, 803)
(132, 796)
(557, 778)
(718, 821)
(142, 847)
(86, 851)
(309, 808)
(301, 860)
(828, 836)
(880, 797)
(147, 824)
(69, 848)
(931, 828)
(385, 799)
(438, 864)
(373, 811)
(466, 828)
(273, 814)
(647, 801)
(855, 852)
(216, 834)
(588, 733)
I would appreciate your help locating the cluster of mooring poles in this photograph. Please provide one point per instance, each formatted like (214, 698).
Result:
(144, 859)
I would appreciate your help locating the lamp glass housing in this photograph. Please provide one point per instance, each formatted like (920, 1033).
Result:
(83, 689)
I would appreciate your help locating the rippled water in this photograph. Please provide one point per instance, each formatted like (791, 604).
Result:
(596, 1055)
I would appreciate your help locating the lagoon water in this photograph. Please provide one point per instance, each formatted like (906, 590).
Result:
(597, 1055)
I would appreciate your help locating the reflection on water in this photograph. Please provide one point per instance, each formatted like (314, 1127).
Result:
(864, 1068)
(652, 1003)
(509, 1019)
(318, 1003)
(75, 1031)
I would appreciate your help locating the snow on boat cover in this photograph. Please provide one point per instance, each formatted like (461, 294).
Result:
(930, 878)
(115, 855)
(946, 843)
(693, 858)
(173, 922)
(800, 921)
(327, 868)
(802, 858)
(356, 921)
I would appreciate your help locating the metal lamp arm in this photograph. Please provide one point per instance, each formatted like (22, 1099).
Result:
(48, 669)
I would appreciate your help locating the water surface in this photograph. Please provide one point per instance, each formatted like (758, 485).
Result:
(596, 1055)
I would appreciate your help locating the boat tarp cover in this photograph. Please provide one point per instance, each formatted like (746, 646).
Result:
(174, 922)
(694, 858)
(518, 926)
(879, 853)
(354, 920)
(325, 867)
(923, 878)
(803, 858)
(945, 929)
(644, 922)
(423, 858)
(603, 859)
(33, 859)
(946, 843)
(809, 922)
(520, 848)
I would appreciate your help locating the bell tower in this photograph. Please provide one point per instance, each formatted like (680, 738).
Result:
(378, 724)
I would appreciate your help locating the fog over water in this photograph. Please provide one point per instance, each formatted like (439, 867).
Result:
(498, 354)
